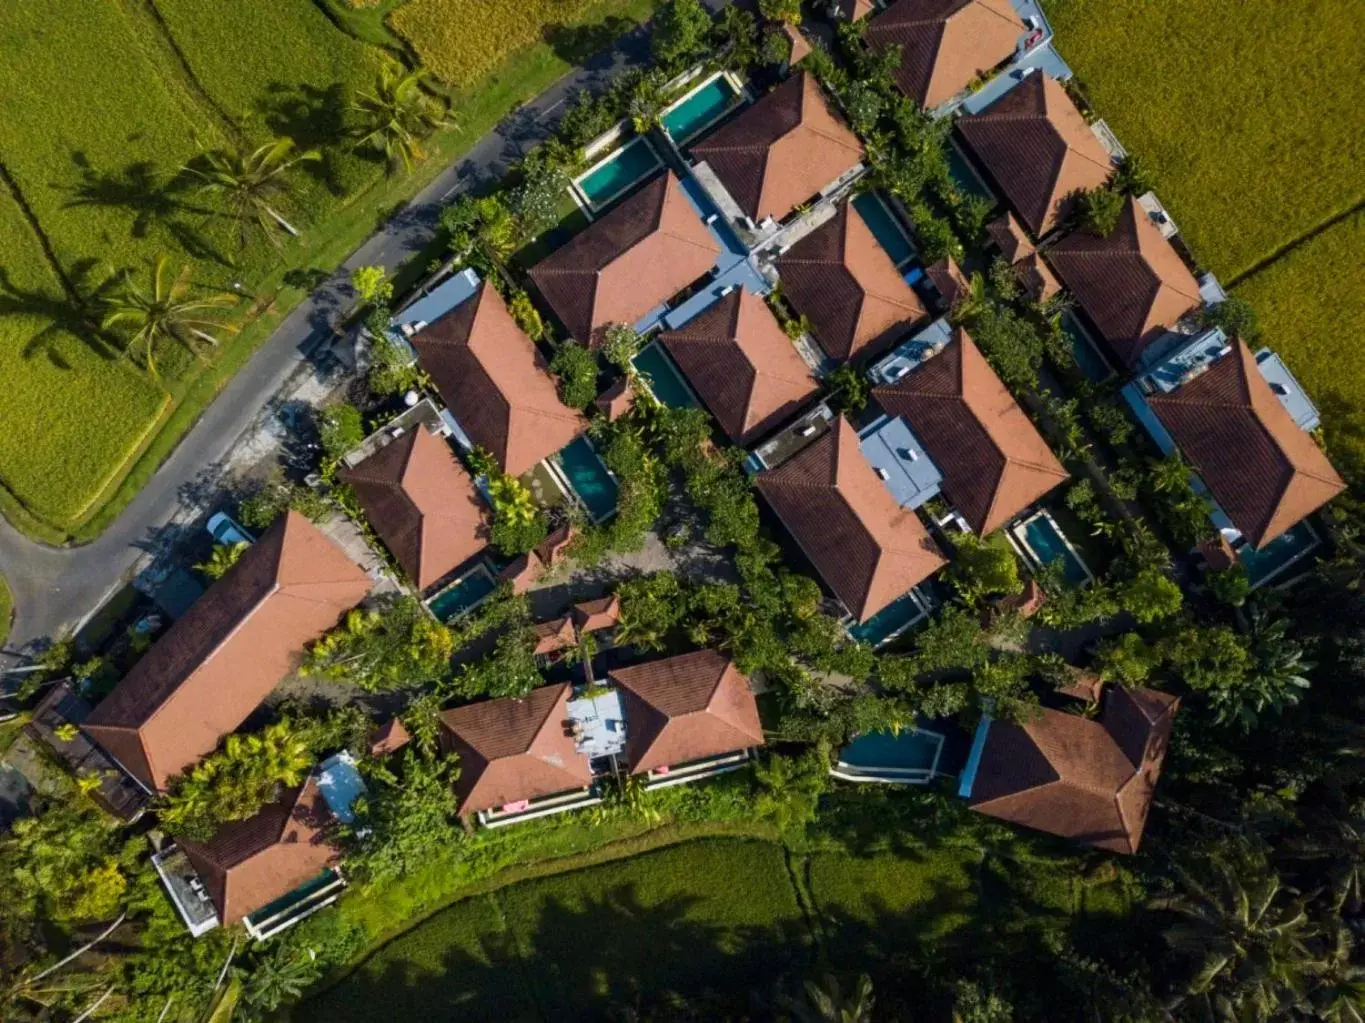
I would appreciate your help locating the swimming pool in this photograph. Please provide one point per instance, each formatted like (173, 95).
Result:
(1271, 560)
(1045, 543)
(908, 757)
(463, 594)
(890, 621)
(965, 177)
(1090, 361)
(700, 109)
(663, 378)
(589, 478)
(884, 227)
(606, 180)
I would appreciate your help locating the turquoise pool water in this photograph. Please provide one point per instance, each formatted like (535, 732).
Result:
(589, 478)
(631, 163)
(964, 175)
(303, 891)
(1279, 554)
(700, 110)
(462, 595)
(1048, 546)
(888, 621)
(663, 377)
(1089, 360)
(912, 750)
(884, 228)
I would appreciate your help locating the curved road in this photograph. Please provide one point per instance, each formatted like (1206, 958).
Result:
(56, 588)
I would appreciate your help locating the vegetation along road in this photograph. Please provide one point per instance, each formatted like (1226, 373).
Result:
(53, 587)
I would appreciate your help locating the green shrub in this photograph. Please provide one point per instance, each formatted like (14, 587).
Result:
(576, 368)
(1100, 209)
(340, 429)
(679, 32)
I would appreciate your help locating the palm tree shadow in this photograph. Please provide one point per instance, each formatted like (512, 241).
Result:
(151, 197)
(64, 315)
(314, 118)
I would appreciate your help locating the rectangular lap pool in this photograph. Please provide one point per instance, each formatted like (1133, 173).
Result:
(700, 108)
(662, 377)
(1275, 557)
(885, 227)
(1043, 542)
(965, 177)
(910, 757)
(608, 178)
(588, 478)
(890, 621)
(463, 595)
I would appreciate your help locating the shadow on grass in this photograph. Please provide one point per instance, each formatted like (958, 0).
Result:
(315, 118)
(578, 44)
(78, 317)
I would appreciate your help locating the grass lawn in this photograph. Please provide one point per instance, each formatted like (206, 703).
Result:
(1311, 304)
(1247, 111)
(463, 41)
(706, 915)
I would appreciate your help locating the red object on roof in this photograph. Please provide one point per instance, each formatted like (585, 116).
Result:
(867, 548)
(422, 503)
(1131, 284)
(782, 151)
(221, 660)
(631, 260)
(1087, 780)
(497, 383)
(994, 461)
(686, 708)
(1265, 472)
(944, 44)
(514, 750)
(1038, 149)
(841, 278)
(742, 364)
(249, 864)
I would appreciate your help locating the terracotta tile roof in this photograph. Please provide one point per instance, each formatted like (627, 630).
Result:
(616, 400)
(1009, 237)
(555, 635)
(1218, 553)
(1264, 471)
(1087, 780)
(552, 550)
(781, 151)
(944, 43)
(523, 572)
(1036, 278)
(744, 367)
(843, 280)
(1132, 284)
(629, 261)
(686, 708)
(512, 750)
(599, 614)
(1038, 149)
(994, 462)
(949, 279)
(800, 48)
(249, 864)
(867, 548)
(496, 382)
(218, 662)
(388, 738)
(422, 503)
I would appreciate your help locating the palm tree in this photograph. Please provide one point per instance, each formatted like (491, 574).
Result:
(224, 556)
(398, 115)
(250, 183)
(1339, 994)
(167, 312)
(1170, 475)
(827, 1002)
(1248, 937)
(972, 302)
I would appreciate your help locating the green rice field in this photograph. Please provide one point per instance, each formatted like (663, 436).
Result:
(1247, 111)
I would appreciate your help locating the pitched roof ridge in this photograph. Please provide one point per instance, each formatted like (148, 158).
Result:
(829, 136)
(550, 706)
(983, 6)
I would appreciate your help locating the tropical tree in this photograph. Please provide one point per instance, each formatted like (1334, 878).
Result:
(1338, 994)
(403, 824)
(166, 313)
(1100, 209)
(372, 284)
(236, 781)
(826, 1001)
(1278, 675)
(679, 31)
(380, 649)
(1246, 935)
(576, 368)
(1127, 659)
(1149, 596)
(398, 115)
(620, 344)
(280, 977)
(224, 556)
(250, 185)
(788, 12)
(518, 522)
(790, 787)
(983, 567)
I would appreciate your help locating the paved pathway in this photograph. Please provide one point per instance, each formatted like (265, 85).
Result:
(57, 588)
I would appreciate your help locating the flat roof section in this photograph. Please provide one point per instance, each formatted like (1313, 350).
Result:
(900, 462)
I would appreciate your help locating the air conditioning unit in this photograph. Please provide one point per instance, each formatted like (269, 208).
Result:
(882, 474)
(806, 431)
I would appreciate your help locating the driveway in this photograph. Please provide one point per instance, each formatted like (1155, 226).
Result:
(55, 589)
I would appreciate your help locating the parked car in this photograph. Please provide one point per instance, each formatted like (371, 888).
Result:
(225, 531)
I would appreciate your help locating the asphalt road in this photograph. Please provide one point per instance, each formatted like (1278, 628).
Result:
(56, 588)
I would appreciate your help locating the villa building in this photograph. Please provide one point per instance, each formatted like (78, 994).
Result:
(216, 664)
